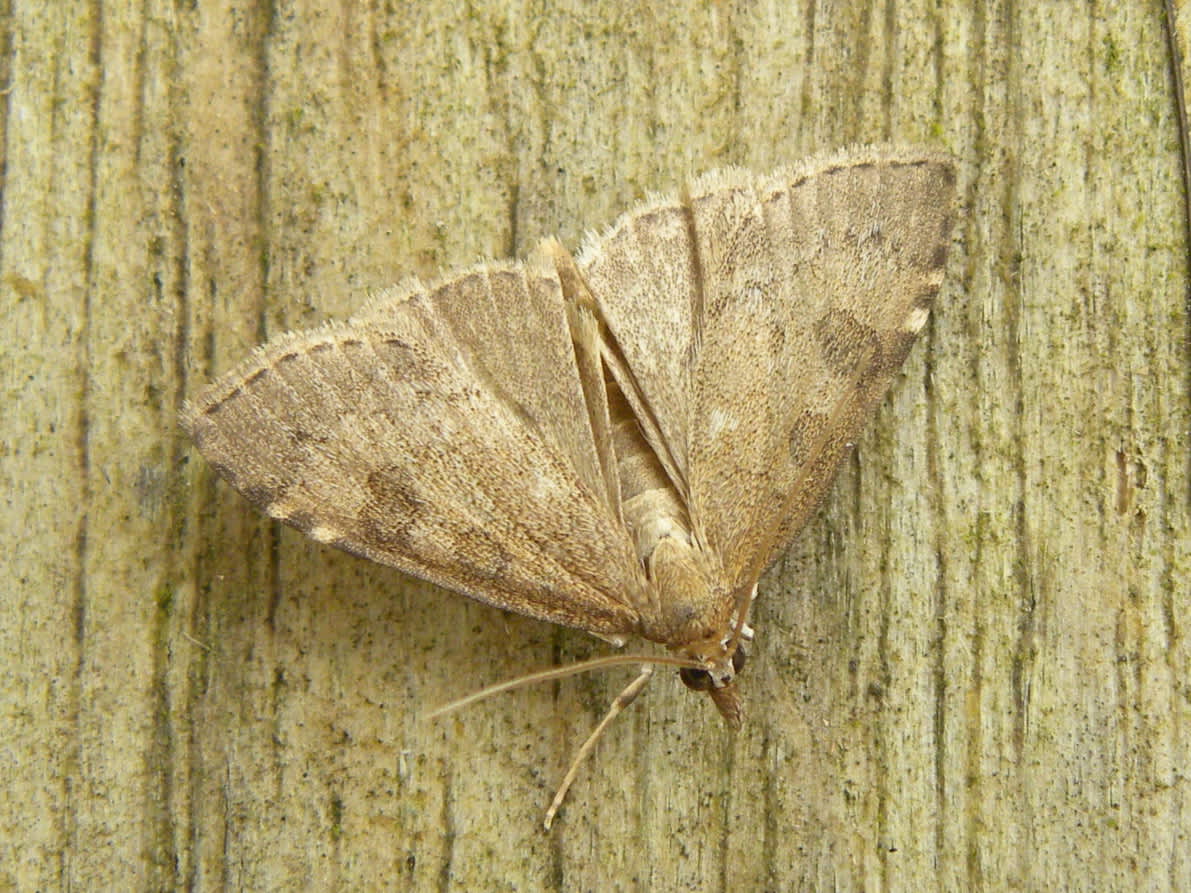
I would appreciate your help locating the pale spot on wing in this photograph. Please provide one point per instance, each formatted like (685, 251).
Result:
(287, 511)
(280, 509)
(719, 421)
(545, 486)
(917, 319)
(322, 534)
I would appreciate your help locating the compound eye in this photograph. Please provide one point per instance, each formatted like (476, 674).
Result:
(695, 680)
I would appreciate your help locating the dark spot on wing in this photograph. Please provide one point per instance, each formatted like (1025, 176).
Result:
(393, 487)
(848, 346)
(255, 377)
(939, 258)
(406, 360)
(392, 510)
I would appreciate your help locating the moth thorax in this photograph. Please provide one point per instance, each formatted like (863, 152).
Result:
(693, 614)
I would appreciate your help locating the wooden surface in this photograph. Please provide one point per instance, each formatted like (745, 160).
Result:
(971, 671)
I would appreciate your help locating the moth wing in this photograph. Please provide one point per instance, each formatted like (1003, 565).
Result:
(802, 293)
(441, 432)
(644, 277)
(816, 283)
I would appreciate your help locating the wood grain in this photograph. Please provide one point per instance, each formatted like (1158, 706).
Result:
(973, 668)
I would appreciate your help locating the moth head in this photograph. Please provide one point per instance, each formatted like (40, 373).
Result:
(721, 667)
(722, 658)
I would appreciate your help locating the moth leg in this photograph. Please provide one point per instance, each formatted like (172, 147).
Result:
(622, 700)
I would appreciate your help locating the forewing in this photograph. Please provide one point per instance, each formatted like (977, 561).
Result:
(760, 320)
(815, 284)
(440, 432)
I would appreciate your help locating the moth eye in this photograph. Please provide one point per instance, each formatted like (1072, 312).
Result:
(695, 680)
(738, 660)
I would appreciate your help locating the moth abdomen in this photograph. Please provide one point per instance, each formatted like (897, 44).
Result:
(651, 506)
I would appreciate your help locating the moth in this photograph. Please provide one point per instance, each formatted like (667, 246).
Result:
(619, 441)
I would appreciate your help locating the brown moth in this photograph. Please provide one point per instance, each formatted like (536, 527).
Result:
(619, 442)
